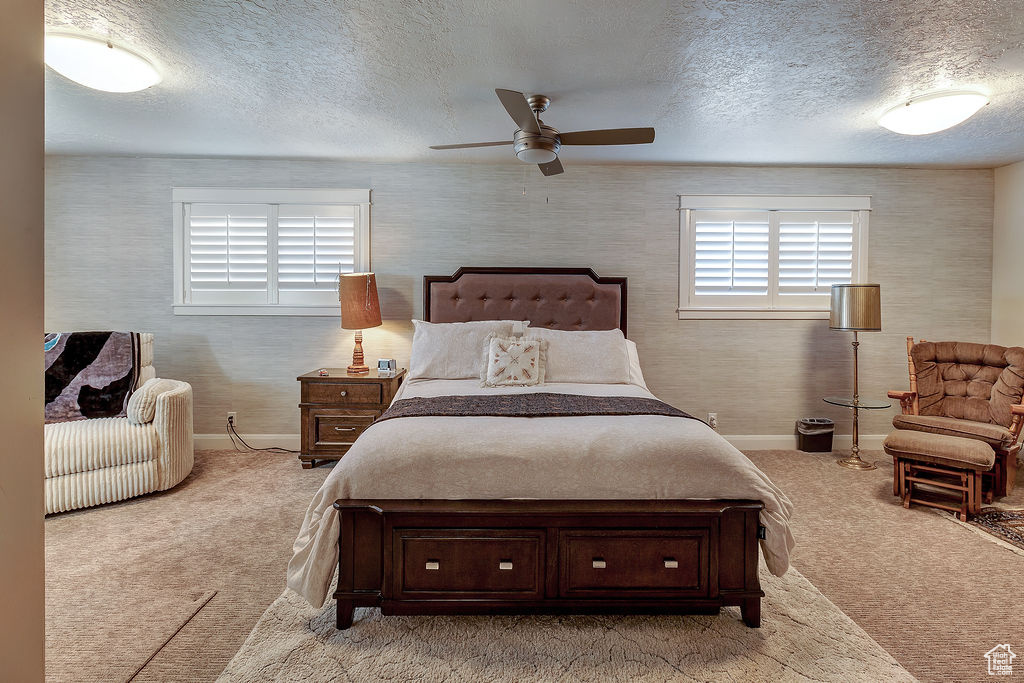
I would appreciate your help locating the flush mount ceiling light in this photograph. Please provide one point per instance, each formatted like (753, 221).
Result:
(98, 64)
(932, 113)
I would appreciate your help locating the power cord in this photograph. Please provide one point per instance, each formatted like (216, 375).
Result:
(229, 427)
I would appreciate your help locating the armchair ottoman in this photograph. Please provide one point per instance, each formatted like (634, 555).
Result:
(950, 463)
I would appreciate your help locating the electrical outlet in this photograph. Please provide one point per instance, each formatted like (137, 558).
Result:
(233, 419)
(713, 421)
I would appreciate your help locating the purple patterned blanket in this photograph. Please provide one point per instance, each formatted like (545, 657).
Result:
(528, 405)
(89, 374)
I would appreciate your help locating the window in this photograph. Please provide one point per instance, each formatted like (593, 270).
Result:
(266, 252)
(768, 256)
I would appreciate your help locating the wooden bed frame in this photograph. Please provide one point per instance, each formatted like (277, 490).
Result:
(545, 556)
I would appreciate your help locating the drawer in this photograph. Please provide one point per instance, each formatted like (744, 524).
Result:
(672, 562)
(342, 392)
(469, 563)
(332, 428)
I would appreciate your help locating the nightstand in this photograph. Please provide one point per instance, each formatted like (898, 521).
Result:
(338, 407)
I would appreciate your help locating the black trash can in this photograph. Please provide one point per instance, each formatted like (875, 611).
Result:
(814, 434)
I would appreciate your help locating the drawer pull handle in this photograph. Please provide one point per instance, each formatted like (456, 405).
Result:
(599, 563)
(671, 563)
(433, 565)
(505, 564)
(344, 393)
(344, 429)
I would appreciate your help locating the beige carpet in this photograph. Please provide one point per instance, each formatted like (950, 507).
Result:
(109, 636)
(803, 637)
(985, 532)
(932, 593)
(935, 595)
(122, 578)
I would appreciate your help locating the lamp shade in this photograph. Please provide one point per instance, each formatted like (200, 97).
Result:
(856, 308)
(357, 294)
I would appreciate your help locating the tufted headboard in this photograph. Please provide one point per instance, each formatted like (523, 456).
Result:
(558, 298)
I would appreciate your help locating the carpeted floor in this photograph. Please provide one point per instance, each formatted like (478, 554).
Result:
(122, 578)
(803, 637)
(934, 594)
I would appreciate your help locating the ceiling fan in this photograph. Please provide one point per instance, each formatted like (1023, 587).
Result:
(538, 143)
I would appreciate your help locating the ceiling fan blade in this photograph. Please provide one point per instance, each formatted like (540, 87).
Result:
(519, 109)
(472, 144)
(551, 168)
(612, 136)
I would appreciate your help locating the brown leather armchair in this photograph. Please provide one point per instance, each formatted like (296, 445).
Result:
(971, 392)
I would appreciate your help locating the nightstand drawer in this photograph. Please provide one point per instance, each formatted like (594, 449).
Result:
(342, 392)
(339, 429)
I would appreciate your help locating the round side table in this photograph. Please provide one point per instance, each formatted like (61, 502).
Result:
(853, 460)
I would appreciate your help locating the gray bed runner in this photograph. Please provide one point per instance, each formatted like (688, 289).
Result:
(529, 405)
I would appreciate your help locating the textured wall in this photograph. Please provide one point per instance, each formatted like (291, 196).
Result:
(109, 266)
(1007, 248)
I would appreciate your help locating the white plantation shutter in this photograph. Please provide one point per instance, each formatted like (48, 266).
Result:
(768, 256)
(816, 251)
(240, 251)
(731, 256)
(227, 252)
(315, 245)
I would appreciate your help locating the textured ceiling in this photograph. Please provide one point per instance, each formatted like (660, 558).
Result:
(723, 81)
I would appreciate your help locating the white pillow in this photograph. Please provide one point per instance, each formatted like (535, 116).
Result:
(513, 362)
(451, 350)
(591, 357)
(142, 404)
(636, 375)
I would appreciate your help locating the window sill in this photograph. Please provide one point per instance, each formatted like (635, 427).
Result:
(751, 314)
(256, 309)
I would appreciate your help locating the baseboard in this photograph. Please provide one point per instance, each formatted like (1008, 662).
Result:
(788, 442)
(218, 442)
(744, 442)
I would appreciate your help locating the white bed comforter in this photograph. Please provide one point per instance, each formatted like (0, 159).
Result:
(592, 457)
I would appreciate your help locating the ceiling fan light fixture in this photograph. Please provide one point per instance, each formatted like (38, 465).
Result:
(534, 142)
(536, 155)
(98, 64)
(934, 112)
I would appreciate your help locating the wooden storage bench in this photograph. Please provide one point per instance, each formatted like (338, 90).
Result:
(556, 556)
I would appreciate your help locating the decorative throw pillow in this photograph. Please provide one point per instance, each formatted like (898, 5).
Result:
(513, 362)
(142, 404)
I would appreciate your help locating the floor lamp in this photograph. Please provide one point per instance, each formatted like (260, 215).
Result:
(855, 308)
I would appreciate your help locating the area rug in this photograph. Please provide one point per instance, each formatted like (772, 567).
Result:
(803, 637)
(1001, 525)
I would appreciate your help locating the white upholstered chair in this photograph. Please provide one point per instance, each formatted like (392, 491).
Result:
(102, 460)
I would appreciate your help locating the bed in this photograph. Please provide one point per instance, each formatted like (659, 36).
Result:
(489, 513)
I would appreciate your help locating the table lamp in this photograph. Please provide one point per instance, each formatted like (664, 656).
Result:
(855, 308)
(360, 309)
